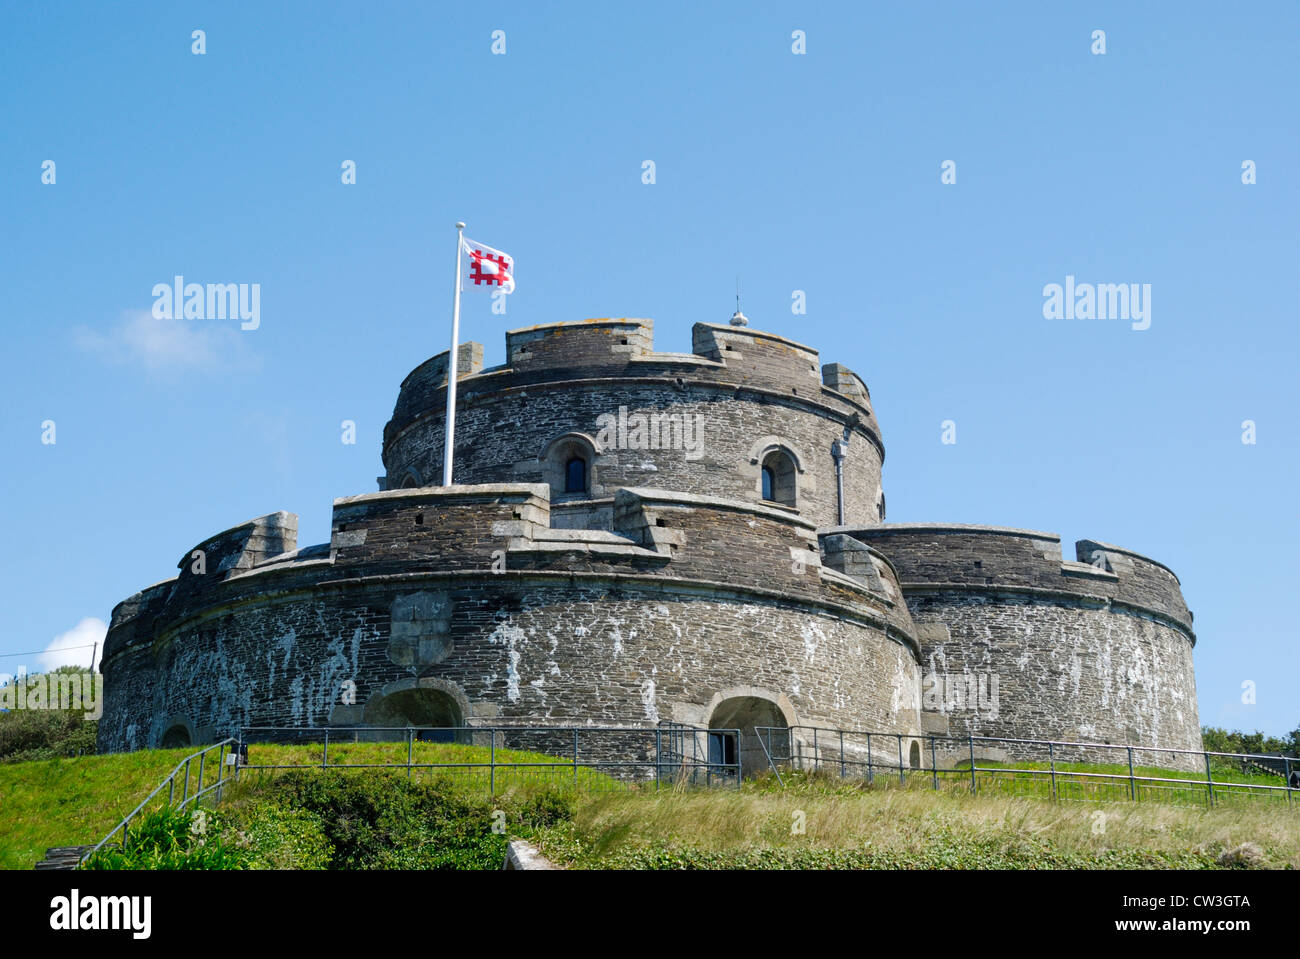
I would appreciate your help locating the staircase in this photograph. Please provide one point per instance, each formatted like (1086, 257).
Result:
(1276, 765)
(63, 857)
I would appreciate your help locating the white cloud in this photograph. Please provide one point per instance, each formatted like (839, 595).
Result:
(170, 346)
(61, 651)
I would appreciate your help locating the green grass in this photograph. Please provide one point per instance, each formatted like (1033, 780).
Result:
(822, 822)
(849, 824)
(1103, 782)
(68, 802)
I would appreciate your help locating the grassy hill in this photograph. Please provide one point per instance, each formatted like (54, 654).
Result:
(376, 818)
(74, 801)
(823, 822)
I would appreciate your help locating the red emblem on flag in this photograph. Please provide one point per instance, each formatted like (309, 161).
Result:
(488, 268)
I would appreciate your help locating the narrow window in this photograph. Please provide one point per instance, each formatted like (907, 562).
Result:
(575, 475)
(779, 478)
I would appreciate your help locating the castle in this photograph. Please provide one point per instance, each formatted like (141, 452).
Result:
(637, 537)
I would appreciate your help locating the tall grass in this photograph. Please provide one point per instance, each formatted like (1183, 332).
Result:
(814, 820)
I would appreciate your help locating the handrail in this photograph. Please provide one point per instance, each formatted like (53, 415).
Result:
(658, 764)
(1038, 742)
(170, 781)
(1052, 757)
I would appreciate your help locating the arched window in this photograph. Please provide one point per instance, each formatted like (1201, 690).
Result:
(575, 475)
(569, 467)
(778, 472)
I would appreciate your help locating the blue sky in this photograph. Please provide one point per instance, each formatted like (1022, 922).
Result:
(817, 172)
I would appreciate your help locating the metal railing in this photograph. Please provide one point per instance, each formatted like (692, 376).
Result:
(588, 757)
(224, 749)
(1054, 769)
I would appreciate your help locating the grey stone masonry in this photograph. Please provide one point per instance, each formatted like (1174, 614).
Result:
(636, 538)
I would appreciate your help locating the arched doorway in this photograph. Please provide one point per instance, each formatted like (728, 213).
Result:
(436, 710)
(746, 713)
(176, 737)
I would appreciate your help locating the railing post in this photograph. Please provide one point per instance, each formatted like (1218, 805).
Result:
(1286, 772)
(1209, 781)
(325, 754)
(492, 763)
(695, 756)
(410, 745)
(841, 754)
(901, 779)
(1051, 759)
(1132, 783)
(221, 770)
(186, 797)
(870, 775)
(575, 757)
(934, 766)
(171, 789)
(738, 760)
(202, 756)
(817, 754)
(970, 739)
(659, 755)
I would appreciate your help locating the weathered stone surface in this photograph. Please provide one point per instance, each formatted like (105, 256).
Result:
(667, 589)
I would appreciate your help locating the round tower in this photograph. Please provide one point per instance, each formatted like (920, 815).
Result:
(588, 408)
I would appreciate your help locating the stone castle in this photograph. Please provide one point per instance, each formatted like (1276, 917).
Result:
(637, 537)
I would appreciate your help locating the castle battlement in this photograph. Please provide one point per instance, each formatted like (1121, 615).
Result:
(504, 530)
(966, 557)
(567, 379)
(635, 536)
(563, 351)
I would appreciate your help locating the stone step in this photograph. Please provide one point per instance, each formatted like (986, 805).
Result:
(63, 857)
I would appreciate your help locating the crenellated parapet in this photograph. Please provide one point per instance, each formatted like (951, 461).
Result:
(474, 591)
(955, 556)
(642, 418)
(1019, 642)
(503, 531)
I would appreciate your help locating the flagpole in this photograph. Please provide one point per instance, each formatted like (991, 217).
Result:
(449, 444)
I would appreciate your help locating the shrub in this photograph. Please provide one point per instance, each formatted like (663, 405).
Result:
(277, 837)
(384, 821)
(29, 734)
(171, 838)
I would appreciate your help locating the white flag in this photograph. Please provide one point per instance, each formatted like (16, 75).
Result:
(488, 269)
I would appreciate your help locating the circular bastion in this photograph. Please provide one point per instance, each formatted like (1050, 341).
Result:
(1018, 642)
(639, 538)
(463, 606)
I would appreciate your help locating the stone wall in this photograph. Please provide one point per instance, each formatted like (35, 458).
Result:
(1019, 643)
(693, 602)
(709, 415)
(667, 590)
